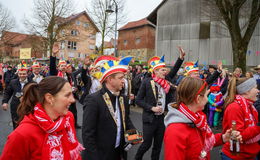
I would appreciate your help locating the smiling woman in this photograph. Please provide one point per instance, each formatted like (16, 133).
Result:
(46, 129)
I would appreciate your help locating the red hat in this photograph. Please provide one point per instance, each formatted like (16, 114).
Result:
(214, 88)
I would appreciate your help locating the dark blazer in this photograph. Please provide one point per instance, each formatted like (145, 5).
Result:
(11, 91)
(54, 71)
(86, 79)
(99, 130)
(146, 99)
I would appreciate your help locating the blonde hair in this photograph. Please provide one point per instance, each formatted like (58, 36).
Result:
(232, 90)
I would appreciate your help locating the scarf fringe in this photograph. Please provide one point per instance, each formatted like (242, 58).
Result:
(75, 153)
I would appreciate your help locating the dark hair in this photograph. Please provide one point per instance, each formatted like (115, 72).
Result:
(232, 90)
(33, 93)
(188, 89)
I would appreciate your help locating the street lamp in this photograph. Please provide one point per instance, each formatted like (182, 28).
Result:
(110, 10)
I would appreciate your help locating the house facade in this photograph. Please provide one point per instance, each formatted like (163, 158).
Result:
(137, 39)
(12, 42)
(187, 23)
(78, 38)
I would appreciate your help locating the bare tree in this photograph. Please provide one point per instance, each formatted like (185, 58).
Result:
(49, 19)
(240, 18)
(7, 21)
(106, 21)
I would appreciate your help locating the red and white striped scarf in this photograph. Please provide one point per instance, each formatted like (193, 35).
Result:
(162, 82)
(60, 74)
(250, 115)
(200, 120)
(61, 136)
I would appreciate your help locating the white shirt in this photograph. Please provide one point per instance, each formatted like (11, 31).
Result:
(118, 119)
(95, 85)
(37, 78)
(162, 99)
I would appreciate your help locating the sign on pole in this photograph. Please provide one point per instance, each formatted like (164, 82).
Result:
(25, 53)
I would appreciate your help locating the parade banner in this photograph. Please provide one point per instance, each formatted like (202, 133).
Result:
(25, 53)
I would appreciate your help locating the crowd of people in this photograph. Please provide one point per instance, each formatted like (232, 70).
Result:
(181, 106)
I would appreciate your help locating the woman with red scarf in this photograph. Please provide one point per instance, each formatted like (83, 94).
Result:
(188, 136)
(46, 127)
(242, 93)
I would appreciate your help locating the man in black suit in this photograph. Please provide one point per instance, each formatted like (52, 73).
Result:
(36, 70)
(106, 119)
(153, 96)
(14, 91)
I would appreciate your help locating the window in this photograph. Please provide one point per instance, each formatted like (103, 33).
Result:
(77, 23)
(62, 45)
(71, 54)
(125, 42)
(63, 32)
(92, 36)
(86, 25)
(74, 32)
(72, 45)
(137, 40)
(92, 47)
(204, 30)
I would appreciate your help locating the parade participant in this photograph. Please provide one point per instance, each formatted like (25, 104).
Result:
(73, 107)
(187, 135)
(128, 88)
(257, 76)
(237, 72)
(46, 127)
(36, 76)
(106, 115)
(153, 96)
(242, 93)
(216, 102)
(8, 76)
(192, 70)
(14, 91)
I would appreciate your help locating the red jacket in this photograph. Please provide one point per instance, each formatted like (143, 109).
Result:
(247, 151)
(26, 141)
(181, 140)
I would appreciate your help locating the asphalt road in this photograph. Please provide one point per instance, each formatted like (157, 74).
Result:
(135, 115)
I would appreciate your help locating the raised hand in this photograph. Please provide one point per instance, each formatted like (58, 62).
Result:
(182, 52)
(55, 50)
(220, 67)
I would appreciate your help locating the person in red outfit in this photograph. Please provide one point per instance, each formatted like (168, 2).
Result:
(242, 93)
(188, 136)
(46, 129)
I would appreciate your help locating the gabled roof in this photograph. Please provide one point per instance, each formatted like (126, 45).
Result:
(14, 38)
(136, 24)
(75, 16)
(153, 16)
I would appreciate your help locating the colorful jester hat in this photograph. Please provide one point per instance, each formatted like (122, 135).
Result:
(156, 62)
(22, 66)
(191, 67)
(98, 64)
(62, 62)
(214, 87)
(113, 66)
(36, 64)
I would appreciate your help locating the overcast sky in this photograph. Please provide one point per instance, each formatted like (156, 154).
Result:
(136, 9)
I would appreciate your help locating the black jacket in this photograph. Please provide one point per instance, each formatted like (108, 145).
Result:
(12, 91)
(8, 76)
(99, 129)
(86, 79)
(146, 99)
